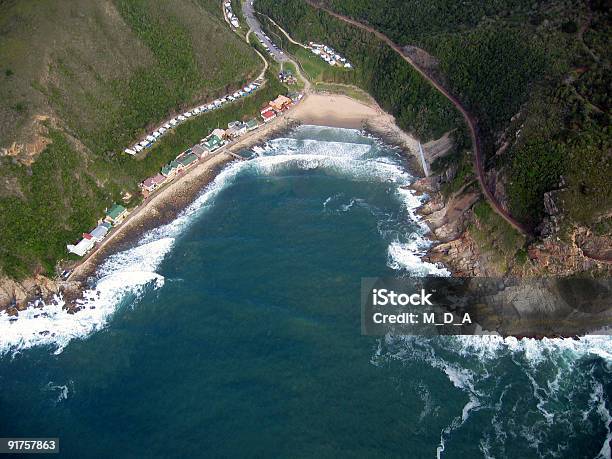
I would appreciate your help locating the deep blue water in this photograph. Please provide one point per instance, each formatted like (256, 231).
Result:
(235, 332)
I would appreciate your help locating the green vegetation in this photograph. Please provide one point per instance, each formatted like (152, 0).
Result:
(133, 65)
(299, 85)
(135, 62)
(63, 194)
(536, 169)
(535, 75)
(377, 69)
(348, 90)
(498, 239)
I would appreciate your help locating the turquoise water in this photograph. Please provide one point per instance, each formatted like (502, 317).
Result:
(235, 331)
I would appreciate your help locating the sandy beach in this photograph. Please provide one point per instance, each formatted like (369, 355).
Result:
(324, 109)
(336, 110)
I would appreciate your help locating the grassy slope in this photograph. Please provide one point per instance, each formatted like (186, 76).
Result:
(103, 72)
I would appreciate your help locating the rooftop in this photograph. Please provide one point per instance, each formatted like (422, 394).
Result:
(115, 211)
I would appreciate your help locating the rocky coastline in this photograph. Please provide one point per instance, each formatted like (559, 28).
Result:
(157, 209)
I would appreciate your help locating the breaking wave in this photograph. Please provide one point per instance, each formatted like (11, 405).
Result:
(122, 279)
(541, 392)
(125, 277)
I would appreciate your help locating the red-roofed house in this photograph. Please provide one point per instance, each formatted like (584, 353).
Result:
(152, 183)
(265, 108)
(268, 115)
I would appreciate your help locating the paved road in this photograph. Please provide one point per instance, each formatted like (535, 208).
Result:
(470, 120)
(255, 26)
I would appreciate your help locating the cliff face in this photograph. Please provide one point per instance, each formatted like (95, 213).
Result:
(473, 243)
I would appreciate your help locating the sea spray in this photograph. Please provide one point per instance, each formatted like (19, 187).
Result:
(125, 276)
(260, 337)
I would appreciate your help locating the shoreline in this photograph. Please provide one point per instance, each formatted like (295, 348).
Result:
(165, 204)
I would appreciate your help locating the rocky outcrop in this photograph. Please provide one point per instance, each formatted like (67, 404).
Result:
(16, 296)
(448, 220)
(461, 255)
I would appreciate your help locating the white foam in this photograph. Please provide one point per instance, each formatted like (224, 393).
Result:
(407, 256)
(466, 361)
(126, 276)
(62, 390)
(123, 276)
(598, 398)
(126, 273)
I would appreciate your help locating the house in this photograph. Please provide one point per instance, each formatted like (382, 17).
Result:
(116, 214)
(236, 130)
(152, 183)
(268, 115)
(188, 160)
(265, 108)
(295, 97)
(83, 246)
(280, 103)
(233, 124)
(199, 150)
(251, 125)
(99, 232)
(219, 133)
(171, 169)
(212, 143)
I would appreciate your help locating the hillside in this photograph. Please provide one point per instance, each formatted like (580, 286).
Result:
(535, 76)
(79, 81)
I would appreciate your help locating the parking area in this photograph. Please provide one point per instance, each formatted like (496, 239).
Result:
(249, 13)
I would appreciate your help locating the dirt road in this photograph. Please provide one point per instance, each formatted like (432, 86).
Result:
(470, 120)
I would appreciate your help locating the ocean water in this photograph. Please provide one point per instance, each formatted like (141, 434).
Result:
(235, 331)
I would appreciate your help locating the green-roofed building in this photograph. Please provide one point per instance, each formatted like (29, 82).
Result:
(116, 214)
(212, 143)
(252, 124)
(188, 160)
(170, 169)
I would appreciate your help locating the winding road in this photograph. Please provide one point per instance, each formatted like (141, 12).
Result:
(275, 52)
(470, 120)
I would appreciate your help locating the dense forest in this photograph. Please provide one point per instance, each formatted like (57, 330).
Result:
(378, 70)
(536, 75)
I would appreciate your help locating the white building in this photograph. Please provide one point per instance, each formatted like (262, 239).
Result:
(84, 246)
